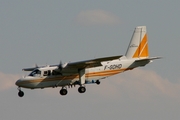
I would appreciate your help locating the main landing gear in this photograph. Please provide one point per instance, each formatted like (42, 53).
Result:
(20, 93)
(98, 82)
(81, 89)
(64, 91)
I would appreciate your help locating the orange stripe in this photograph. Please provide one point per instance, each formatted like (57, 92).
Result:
(76, 76)
(145, 51)
(142, 50)
(105, 73)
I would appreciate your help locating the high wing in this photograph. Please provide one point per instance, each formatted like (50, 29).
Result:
(81, 64)
(30, 69)
(91, 63)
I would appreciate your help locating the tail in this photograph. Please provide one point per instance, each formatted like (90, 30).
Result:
(138, 47)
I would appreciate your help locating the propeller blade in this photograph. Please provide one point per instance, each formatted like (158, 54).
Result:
(60, 65)
(36, 66)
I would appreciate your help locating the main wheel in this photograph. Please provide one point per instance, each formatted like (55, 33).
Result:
(63, 92)
(20, 93)
(82, 89)
(98, 82)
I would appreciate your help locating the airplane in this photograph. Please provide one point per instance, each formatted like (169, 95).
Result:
(90, 71)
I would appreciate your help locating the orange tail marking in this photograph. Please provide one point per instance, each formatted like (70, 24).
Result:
(142, 50)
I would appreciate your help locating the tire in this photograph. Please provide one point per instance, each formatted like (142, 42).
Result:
(20, 93)
(98, 82)
(63, 92)
(81, 89)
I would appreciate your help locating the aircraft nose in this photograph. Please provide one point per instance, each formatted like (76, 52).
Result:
(18, 82)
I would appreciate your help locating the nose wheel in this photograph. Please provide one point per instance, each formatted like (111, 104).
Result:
(20, 93)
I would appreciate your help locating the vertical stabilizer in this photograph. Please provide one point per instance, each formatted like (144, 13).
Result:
(138, 47)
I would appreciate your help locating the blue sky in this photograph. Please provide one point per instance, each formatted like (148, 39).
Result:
(45, 32)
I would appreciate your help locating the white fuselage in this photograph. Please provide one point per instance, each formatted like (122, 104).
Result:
(107, 69)
(89, 71)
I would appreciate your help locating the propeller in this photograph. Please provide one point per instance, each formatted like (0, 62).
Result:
(36, 66)
(61, 65)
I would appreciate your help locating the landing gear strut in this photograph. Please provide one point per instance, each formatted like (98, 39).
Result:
(20, 93)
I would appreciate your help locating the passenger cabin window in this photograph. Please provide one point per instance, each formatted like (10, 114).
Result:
(47, 73)
(35, 73)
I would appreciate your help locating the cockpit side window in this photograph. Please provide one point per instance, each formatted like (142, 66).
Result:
(35, 73)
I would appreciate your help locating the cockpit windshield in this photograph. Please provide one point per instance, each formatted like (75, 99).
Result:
(35, 72)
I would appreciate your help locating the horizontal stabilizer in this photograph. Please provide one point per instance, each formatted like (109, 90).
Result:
(148, 59)
(145, 61)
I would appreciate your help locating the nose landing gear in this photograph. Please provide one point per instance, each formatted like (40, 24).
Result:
(20, 93)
